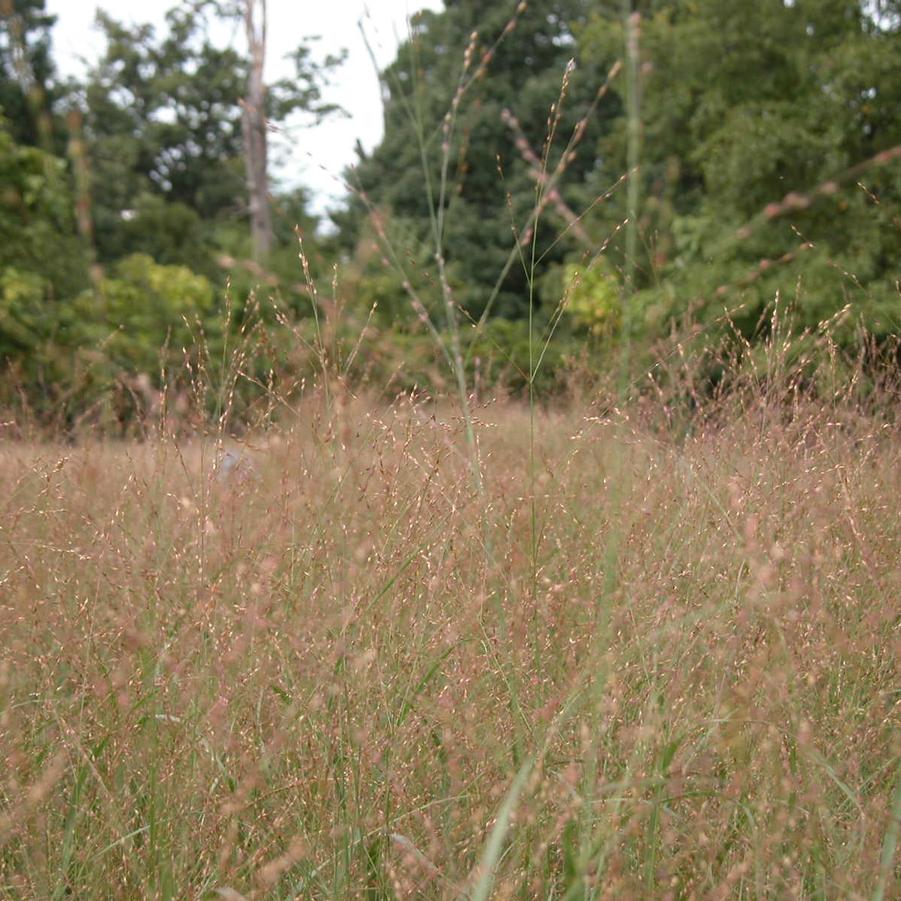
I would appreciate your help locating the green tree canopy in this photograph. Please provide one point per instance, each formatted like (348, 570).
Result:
(745, 103)
(164, 129)
(42, 260)
(29, 86)
(524, 75)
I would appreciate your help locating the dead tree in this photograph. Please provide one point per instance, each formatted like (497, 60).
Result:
(254, 131)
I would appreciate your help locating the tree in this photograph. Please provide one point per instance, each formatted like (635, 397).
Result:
(276, 102)
(168, 118)
(29, 88)
(42, 259)
(254, 129)
(748, 104)
(523, 71)
(163, 119)
(163, 149)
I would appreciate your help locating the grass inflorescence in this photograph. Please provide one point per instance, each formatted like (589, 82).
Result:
(638, 644)
(310, 680)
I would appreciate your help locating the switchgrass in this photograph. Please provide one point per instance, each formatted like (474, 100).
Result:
(638, 647)
(313, 681)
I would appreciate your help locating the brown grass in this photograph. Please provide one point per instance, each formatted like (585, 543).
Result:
(322, 679)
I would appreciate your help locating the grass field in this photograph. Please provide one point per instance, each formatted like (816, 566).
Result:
(651, 663)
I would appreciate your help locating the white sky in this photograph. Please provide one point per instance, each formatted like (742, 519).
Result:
(310, 156)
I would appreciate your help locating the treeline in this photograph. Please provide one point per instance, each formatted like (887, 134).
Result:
(142, 240)
(125, 213)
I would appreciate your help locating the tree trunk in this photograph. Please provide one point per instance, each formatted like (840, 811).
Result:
(254, 131)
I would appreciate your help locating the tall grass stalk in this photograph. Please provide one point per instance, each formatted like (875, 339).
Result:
(593, 851)
(632, 25)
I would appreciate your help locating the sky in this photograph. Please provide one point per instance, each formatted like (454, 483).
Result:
(311, 156)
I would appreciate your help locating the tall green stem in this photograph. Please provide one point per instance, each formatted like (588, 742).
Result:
(593, 853)
(631, 21)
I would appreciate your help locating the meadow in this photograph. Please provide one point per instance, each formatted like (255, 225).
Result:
(409, 585)
(640, 655)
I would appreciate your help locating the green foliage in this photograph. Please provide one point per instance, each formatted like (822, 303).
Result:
(139, 148)
(164, 199)
(743, 103)
(172, 233)
(23, 297)
(140, 308)
(28, 85)
(386, 243)
(283, 279)
(402, 176)
(498, 356)
(760, 123)
(593, 298)
(42, 260)
(164, 126)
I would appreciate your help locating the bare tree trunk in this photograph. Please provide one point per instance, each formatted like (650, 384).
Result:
(254, 129)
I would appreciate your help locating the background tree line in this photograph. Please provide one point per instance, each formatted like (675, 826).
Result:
(132, 196)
